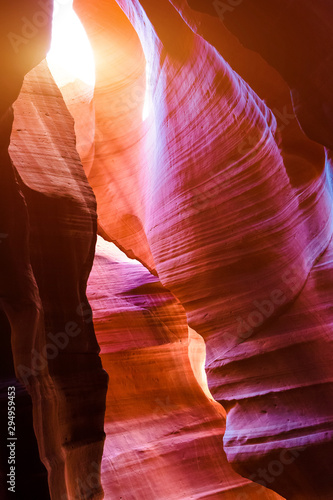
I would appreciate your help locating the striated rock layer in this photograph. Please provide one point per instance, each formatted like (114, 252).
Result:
(48, 231)
(18, 291)
(295, 37)
(236, 219)
(112, 166)
(60, 363)
(202, 173)
(163, 429)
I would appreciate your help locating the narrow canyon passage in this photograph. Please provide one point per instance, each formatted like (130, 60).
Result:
(166, 252)
(157, 392)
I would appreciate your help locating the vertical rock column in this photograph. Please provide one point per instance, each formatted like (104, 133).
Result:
(48, 225)
(65, 365)
(24, 37)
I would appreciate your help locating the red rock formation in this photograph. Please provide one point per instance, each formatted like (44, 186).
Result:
(302, 157)
(164, 431)
(22, 45)
(295, 37)
(67, 383)
(231, 228)
(49, 225)
(217, 191)
(114, 171)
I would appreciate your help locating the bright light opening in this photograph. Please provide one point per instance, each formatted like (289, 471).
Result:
(71, 56)
(148, 104)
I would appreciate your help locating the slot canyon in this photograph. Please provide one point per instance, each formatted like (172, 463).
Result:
(166, 223)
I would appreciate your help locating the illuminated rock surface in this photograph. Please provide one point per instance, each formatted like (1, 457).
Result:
(164, 431)
(236, 220)
(221, 209)
(48, 255)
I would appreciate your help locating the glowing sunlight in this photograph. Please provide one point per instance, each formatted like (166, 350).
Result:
(71, 56)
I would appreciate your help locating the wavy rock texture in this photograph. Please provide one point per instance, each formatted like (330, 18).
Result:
(54, 346)
(216, 190)
(112, 167)
(235, 228)
(295, 37)
(164, 431)
(303, 158)
(18, 291)
(296, 404)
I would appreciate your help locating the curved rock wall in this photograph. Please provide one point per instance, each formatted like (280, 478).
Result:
(49, 230)
(201, 173)
(113, 169)
(22, 45)
(163, 429)
(63, 367)
(237, 215)
(295, 37)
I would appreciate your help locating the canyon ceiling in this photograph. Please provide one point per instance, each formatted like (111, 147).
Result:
(166, 252)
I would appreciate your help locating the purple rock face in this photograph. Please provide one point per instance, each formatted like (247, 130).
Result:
(202, 161)
(295, 37)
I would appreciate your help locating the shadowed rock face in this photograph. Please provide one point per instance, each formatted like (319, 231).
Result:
(48, 229)
(295, 37)
(225, 205)
(16, 281)
(32, 474)
(25, 29)
(62, 223)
